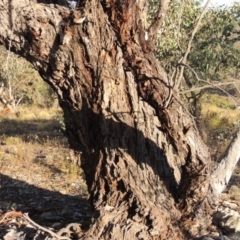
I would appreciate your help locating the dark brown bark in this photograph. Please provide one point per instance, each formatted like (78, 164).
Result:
(146, 167)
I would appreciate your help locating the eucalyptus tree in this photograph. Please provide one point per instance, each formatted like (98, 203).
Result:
(146, 166)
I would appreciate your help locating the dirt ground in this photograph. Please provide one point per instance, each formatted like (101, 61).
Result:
(39, 183)
(37, 178)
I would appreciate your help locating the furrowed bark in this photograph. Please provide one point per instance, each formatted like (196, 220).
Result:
(146, 166)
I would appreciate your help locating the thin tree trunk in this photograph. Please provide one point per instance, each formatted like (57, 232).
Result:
(222, 174)
(146, 167)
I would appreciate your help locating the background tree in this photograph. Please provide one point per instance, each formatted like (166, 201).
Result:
(219, 47)
(214, 51)
(215, 48)
(21, 84)
(213, 66)
(146, 167)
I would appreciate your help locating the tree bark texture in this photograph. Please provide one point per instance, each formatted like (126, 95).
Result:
(145, 164)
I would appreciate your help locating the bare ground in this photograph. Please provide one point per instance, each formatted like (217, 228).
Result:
(37, 178)
(39, 183)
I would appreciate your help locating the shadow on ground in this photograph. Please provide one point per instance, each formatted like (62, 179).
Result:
(47, 208)
(32, 130)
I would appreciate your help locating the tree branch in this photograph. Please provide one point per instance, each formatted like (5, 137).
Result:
(209, 83)
(179, 23)
(223, 172)
(213, 85)
(33, 23)
(158, 21)
(25, 215)
(184, 59)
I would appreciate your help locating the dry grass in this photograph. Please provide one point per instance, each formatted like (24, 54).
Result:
(220, 118)
(35, 113)
(33, 149)
(219, 112)
(32, 125)
(219, 121)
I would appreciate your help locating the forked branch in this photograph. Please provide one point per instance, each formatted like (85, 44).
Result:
(184, 59)
(222, 174)
(213, 85)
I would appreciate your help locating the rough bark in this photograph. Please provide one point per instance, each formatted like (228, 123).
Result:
(146, 166)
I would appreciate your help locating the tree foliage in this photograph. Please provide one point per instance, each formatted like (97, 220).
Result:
(215, 48)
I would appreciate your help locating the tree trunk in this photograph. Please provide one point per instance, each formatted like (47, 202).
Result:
(222, 174)
(145, 164)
